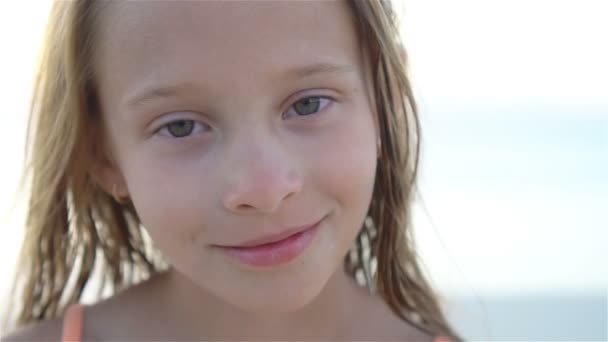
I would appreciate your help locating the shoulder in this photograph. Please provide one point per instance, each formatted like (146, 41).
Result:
(378, 322)
(392, 327)
(130, 314)
(48, 330)
(117, 314)
(442, 339)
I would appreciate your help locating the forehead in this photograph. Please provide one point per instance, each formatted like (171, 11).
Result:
(220, 41)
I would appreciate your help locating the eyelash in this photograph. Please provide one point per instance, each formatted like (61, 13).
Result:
(328, 102)
(321, 99)
(164, 129)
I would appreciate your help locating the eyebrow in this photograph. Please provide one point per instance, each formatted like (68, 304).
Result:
(167, 91)
(319, 68)
(152, 92)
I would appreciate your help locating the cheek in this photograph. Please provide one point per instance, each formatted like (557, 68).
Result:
(348, 174)
(346, 169)
(169, 203)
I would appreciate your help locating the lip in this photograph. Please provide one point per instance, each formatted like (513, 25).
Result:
(273, 250)
(272, 238)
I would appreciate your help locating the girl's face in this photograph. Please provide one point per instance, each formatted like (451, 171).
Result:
(234, 121)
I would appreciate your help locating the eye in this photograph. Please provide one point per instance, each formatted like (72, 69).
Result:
(181, 128)
(308, 106)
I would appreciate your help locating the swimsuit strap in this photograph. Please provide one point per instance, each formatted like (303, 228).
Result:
(72, 324)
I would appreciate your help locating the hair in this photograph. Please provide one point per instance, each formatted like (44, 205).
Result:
(75, 231)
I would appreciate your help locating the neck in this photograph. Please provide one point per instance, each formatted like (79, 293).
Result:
(202, 314)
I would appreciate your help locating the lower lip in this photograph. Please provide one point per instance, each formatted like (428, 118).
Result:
(276, 253)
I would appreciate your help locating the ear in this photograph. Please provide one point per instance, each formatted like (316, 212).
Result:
(110, 179)
(105, 171)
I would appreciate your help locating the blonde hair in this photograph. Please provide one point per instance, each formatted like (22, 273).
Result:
(74, 228)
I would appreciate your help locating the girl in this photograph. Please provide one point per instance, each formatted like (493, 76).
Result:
(267, 149)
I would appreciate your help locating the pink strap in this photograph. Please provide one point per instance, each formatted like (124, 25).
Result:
(72, 324)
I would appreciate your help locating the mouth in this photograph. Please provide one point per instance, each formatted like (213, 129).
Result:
(273, 238)
(273, 250)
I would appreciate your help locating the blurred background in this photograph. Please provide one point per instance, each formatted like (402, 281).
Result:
(512, 212)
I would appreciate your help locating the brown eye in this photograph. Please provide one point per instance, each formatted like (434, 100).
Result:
(308, 106)
(180, 128)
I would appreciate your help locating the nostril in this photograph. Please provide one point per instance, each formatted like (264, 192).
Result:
(261, 191)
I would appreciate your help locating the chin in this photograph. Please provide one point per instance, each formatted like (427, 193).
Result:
(279, 291)
(271, 294)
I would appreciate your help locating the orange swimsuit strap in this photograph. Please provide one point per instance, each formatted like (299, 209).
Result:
(72, 324)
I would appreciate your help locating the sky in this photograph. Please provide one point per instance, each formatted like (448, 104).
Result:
(535, 50)
(514, 103)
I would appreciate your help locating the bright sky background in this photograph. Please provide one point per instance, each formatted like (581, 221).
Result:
(464, 53)
(21, 27)
(537, 64)
(544, 50)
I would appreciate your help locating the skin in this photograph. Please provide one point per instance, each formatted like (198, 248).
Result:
(252, 166)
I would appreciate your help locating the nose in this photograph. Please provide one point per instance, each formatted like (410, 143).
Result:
(260, 178)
